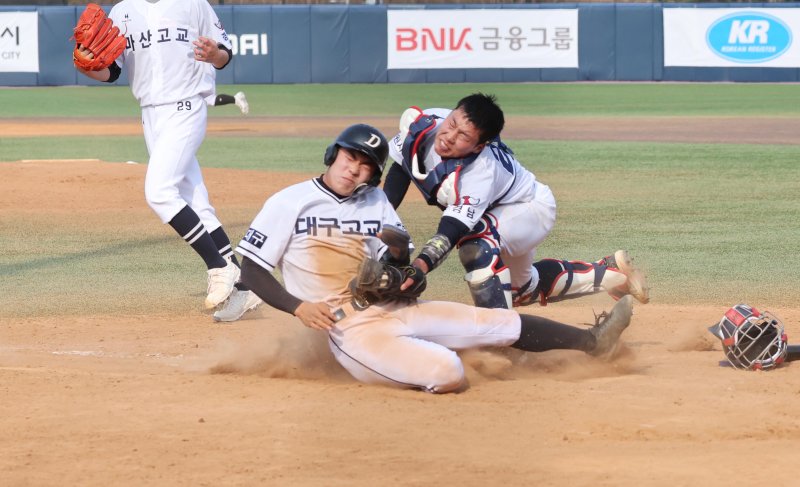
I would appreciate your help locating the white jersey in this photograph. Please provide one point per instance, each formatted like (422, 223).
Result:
(159, 55)
(494, 178)
(317, 238)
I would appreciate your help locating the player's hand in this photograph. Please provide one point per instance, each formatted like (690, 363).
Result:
(99, 75)
(207, 51)
(315, 315)
(204, 49)
(417, 277)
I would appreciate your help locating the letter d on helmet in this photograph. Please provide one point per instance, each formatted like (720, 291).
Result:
(365, 139)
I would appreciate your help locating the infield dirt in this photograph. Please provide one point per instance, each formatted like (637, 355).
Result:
(176, 399)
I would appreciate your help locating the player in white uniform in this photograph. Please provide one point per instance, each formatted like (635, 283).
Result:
(169, 45)
(318, 232)
(494, 210)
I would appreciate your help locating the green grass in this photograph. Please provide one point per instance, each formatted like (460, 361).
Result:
(277, 154)
(575, 99)
(711, 223)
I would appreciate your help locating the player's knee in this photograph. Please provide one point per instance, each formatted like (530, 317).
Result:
(153, 196)
(447, 375)
(478, 257)
(164, 201)
(488, 279)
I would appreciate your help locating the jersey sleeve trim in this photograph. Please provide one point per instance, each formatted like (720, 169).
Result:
(255, 258)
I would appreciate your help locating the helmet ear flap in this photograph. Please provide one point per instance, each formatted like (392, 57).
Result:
(375, 180)
(330, 154)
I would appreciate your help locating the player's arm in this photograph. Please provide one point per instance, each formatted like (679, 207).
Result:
(455, 224)
(266, 287)
(436, 249)
(396, 185)
(105, 75)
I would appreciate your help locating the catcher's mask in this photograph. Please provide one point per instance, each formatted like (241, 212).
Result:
(751, 340)
(365, 139)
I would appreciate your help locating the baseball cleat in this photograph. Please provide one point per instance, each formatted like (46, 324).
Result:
(522, 299)
(610, 326)
(523, 295)
(637, 283)
(241, 102)
(239, 303)
(220, 283)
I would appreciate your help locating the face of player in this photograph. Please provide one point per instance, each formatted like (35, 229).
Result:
(457, 137)
(349, 170)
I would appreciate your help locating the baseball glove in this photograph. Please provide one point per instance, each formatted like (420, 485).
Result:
(97, 41)
(376, 282)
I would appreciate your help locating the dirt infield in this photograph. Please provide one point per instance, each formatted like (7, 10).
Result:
(175, 399)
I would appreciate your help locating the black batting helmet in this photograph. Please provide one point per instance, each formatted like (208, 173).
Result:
(365, 139)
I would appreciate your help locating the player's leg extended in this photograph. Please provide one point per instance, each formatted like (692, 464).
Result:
(173, 136)
(539, 334)
(193, 190)
(488, 278)
(555, 279)
(224, 99)
(458, 326)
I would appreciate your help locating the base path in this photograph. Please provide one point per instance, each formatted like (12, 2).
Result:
(750, 130)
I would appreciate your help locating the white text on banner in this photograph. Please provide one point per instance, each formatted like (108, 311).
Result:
(19, 42)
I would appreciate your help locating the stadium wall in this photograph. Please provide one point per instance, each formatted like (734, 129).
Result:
(348, 44)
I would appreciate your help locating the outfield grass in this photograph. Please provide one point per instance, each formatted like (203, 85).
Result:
(711, 223)
(577, 99)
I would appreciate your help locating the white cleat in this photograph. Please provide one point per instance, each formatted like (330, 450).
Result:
(220, 284)
(241, 102)
(239, 303)
(636, 281)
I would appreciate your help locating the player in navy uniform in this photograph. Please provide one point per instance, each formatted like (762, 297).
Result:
(495, 212)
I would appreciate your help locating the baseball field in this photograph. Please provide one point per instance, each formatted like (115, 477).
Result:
(111, 373)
